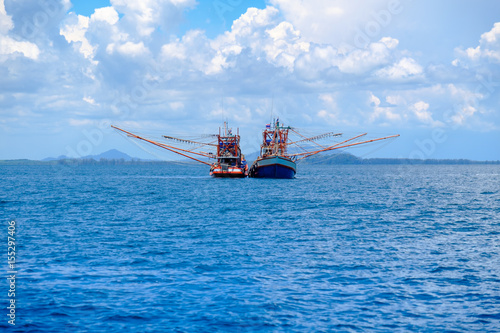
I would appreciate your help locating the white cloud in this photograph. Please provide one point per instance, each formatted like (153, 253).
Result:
(174, 50)
(341, 22)
(192, 52)
(105, 14)
(142, 18)
(8, 45)
(421, 110)
(395, 100)
(285, 46)
(6, 23)
(404, 68)
(75, 31)
(176, 105)
(381, 112)
(362, 60)
(89, 100)
(11, 46)
(127, 36)
(487, 50)
(493, 35)
(329, 117)
(260, 32)
(129, 49)
(463, 114)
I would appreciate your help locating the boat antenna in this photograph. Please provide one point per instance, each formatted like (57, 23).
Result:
(222, 106)
(272, 109)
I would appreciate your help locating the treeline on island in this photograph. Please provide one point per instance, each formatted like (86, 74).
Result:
(330, 159)
(349, 159)
(84, 161)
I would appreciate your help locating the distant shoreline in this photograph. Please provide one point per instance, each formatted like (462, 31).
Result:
(353, 160)
(115, 157)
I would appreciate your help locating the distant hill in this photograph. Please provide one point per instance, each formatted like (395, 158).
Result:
(346, 159)
(112, 154)
(251, 157)
(335, 158)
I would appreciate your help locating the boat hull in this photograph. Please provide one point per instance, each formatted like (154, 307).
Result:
(219, 172)
(273, 167)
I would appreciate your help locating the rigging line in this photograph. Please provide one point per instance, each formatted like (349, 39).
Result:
(306, 139)
(335, 145)
(201, 145)
(350, 145)
(176, 148)
(163, 146)
(296, 143)
(375, 150)
(317, 137)
(144, 148)
(187, 141)
(299, 146)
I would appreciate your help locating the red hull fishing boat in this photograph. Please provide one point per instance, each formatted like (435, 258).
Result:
(275, 160)
(229, 161)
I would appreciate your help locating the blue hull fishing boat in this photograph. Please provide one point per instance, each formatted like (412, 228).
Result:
(274, 161)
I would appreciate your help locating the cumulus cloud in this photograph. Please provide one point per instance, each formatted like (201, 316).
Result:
(421, 111)
(362, 60)
(144, 17)
(105, 14)
(330, 112)
(385, 113)
(128, 49)
(261, 33)
(404, 68)
(6, 23)
(487, 50)
(11, 46)
(74, 32)
(341, 22)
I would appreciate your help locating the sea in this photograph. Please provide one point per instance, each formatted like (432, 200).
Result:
(167, 248)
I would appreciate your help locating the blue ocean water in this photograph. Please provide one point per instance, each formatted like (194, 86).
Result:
(149, 248)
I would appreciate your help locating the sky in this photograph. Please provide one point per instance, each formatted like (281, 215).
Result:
(427, 70)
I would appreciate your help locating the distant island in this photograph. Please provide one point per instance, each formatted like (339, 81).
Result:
(349, 159)
(116, 157)
(110, 157)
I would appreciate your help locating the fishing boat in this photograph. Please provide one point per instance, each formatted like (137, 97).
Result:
(224, 148)
(275, 159)
(230, 162)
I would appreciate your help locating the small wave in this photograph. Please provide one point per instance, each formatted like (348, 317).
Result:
(444, 269)
(489, 316)
(488, 193)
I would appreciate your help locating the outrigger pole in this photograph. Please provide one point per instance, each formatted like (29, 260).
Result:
(339, 145)
(164, 146)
